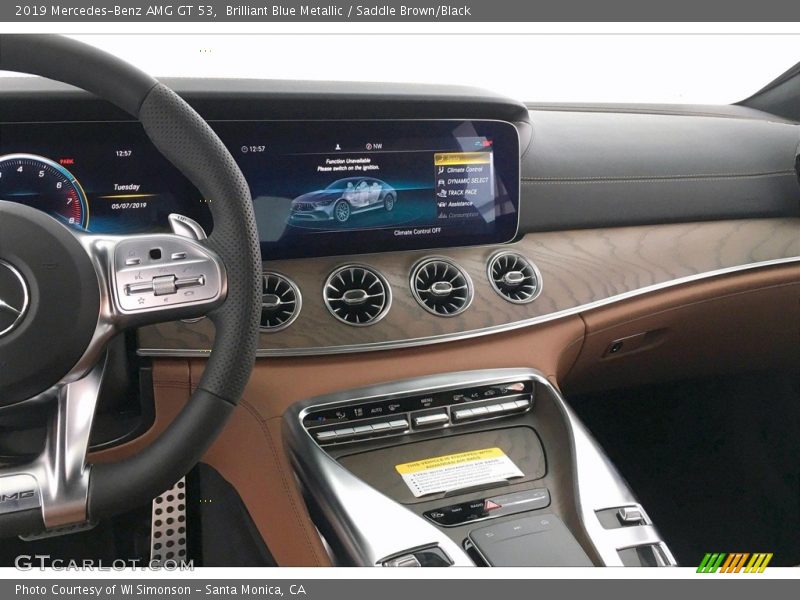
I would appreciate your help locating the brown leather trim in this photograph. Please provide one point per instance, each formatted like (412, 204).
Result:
(250, 453)
(276, 383)
(744, 322)
(250, 456)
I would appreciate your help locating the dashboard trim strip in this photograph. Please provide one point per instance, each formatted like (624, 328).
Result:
(451, 337)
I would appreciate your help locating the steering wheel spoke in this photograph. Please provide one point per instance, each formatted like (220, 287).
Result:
(56, 483)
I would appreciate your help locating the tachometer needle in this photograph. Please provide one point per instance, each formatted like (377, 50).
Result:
(6, 305)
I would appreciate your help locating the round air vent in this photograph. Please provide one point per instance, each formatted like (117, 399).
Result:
(280, 302)
(441, 287)
(357, 295)
(514, 277)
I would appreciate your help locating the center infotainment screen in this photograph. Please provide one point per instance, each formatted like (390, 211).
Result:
(343, 187)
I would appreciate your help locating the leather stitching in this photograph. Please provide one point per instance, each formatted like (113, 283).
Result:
(579, 341)
(172, 383)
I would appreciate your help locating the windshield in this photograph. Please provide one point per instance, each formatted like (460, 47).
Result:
(342, 184)
(630, 68)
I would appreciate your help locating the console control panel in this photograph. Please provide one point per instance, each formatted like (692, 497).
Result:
(486, 508)
(423, 411)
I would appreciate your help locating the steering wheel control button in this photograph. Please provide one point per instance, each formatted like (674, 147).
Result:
(164, 285)
(139, 288)
(190, 282)
(14, 298)
(186, 227)
(193, 276)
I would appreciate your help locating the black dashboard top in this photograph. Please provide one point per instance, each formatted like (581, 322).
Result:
(31, 98)
(582, 165)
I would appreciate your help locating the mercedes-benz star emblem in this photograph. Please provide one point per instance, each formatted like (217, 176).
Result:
(14, 298)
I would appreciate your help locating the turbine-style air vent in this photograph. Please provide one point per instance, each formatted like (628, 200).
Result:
(280, 302)
(441, 287)
(514, 277)
(357, 295)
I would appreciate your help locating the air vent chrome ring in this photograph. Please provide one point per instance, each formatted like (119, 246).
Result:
(514, 277)
(441, 286)
(357, 295)
(281, 302)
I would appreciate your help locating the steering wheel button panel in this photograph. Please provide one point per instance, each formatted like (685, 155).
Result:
(192, 275)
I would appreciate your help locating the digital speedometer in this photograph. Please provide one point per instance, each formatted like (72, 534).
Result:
(45, 185)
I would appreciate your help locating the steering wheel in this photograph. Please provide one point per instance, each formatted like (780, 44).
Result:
(52, 360)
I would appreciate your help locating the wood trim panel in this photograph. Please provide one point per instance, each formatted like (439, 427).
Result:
(580, 269)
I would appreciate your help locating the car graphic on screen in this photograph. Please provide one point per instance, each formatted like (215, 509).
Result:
(342, 199)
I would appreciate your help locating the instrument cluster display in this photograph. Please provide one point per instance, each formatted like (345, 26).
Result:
(97, 177)
(319, 187)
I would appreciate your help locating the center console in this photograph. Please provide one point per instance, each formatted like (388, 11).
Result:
(487, 468)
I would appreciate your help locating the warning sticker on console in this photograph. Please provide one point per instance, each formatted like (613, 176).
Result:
(457, 471)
